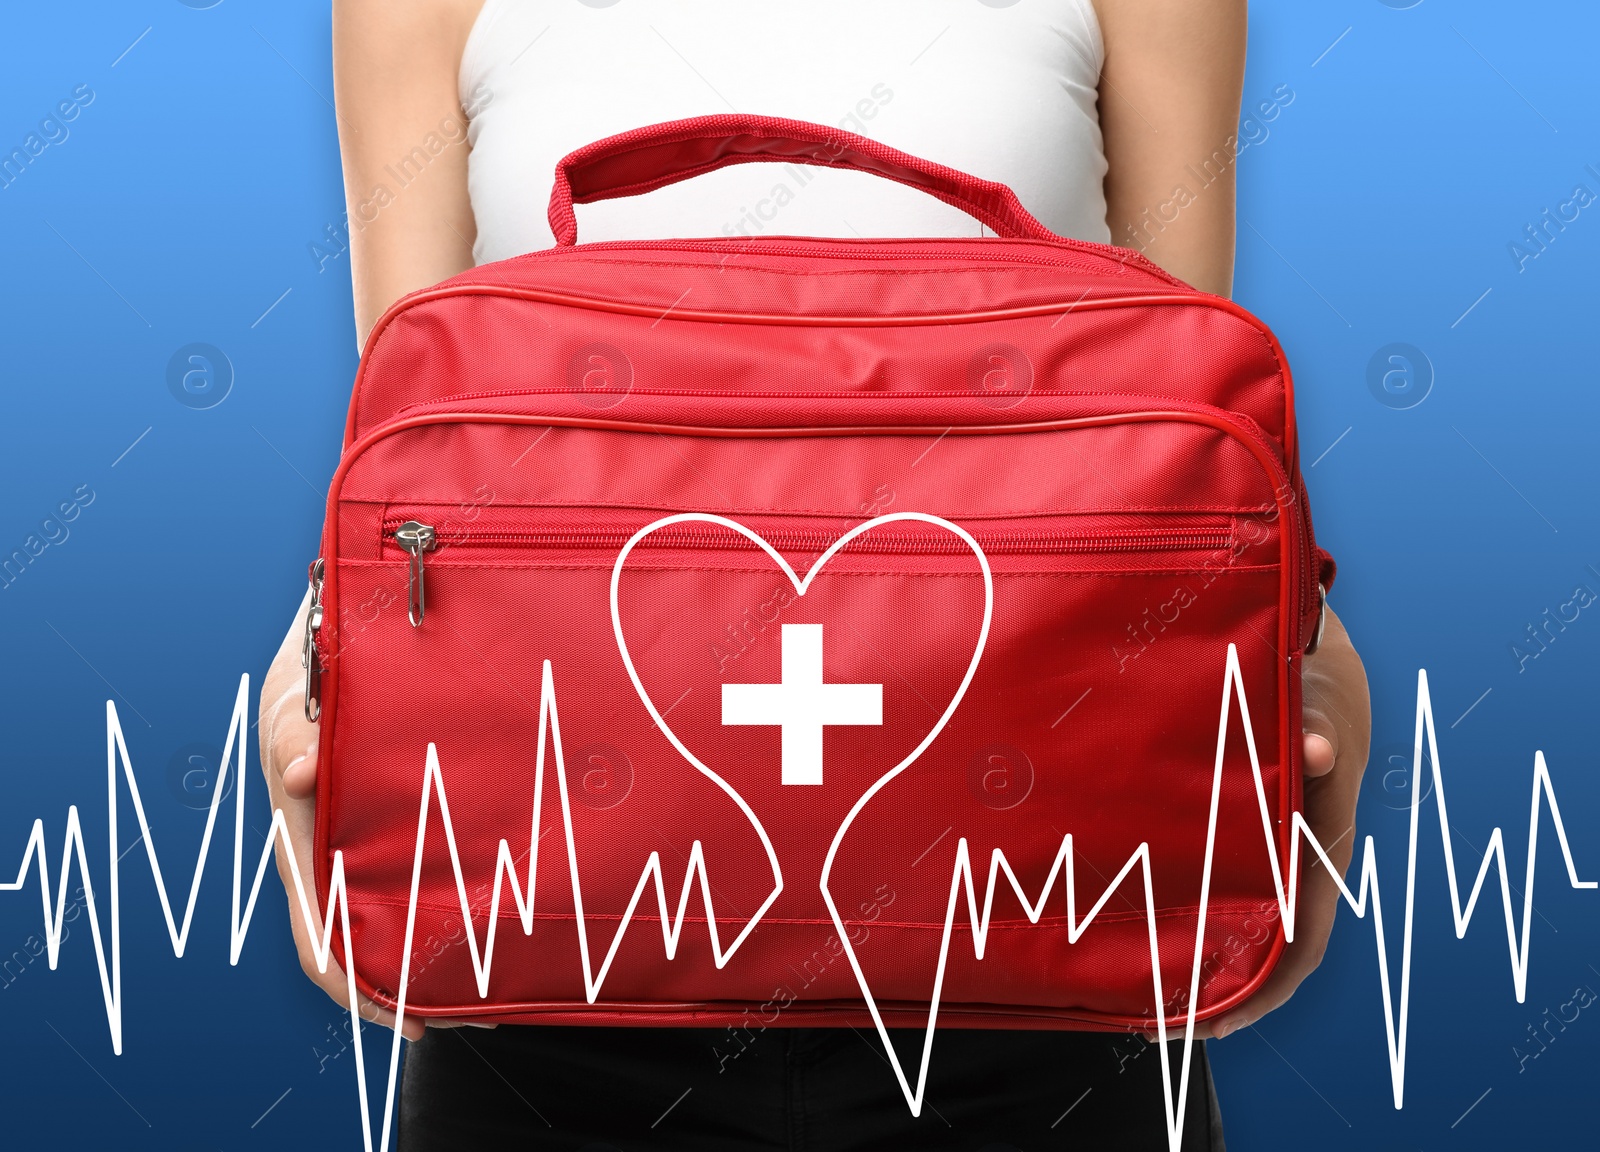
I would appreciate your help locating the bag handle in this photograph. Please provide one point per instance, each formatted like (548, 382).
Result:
(645, 159)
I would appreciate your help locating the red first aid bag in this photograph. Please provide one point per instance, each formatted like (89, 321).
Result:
(792, 629)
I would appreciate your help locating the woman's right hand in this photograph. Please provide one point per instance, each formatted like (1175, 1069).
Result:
(289, 761)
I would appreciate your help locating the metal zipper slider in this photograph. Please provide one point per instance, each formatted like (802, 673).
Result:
(416, 538)
(310, 659)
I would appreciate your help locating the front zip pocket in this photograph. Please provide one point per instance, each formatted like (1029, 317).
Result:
(527, 535)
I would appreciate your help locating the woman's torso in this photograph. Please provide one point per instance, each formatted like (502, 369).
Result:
(1005, 91)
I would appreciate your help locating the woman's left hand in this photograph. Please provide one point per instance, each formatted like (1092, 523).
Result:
(1338, 734)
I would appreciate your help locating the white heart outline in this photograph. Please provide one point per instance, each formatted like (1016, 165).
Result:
(801, 586)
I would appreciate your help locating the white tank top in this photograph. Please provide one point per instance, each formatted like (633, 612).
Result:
(1003, 89)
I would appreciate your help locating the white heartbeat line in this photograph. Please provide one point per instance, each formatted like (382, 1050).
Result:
(1233, 689)
(962, 880)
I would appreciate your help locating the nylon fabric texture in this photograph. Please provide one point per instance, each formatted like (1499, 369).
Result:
(1080, 484)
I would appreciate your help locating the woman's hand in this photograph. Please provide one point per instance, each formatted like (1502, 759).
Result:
(1338, 733)
(289, 761)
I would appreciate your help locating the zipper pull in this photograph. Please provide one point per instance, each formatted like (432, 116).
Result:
(416, 538)
(310, 658)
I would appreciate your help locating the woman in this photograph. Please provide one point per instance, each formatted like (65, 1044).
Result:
(1114, 121)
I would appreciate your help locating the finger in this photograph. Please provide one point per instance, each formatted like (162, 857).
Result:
(336, 984)
(1319, 685)
(1319, 753)
(1336, 711)
(300, 774)
(1321, 716)
(284, 731)
(413, 1029)
(291, 742)
(373, 1013)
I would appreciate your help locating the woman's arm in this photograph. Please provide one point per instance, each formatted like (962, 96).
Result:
(395, 74)
(1169, 113)
(395, 64)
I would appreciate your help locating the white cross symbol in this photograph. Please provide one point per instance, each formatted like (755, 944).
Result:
(802, 704)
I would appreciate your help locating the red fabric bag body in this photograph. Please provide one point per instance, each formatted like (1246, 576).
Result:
(1065, 483)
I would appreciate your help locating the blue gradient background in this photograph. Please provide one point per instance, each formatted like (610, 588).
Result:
(1376, 210)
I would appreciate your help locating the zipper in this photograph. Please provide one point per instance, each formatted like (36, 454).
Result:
(815, 394)
(1172, 539)
(417, 539)
(310, 656)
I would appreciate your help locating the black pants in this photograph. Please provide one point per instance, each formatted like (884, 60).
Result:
(794, 1089)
